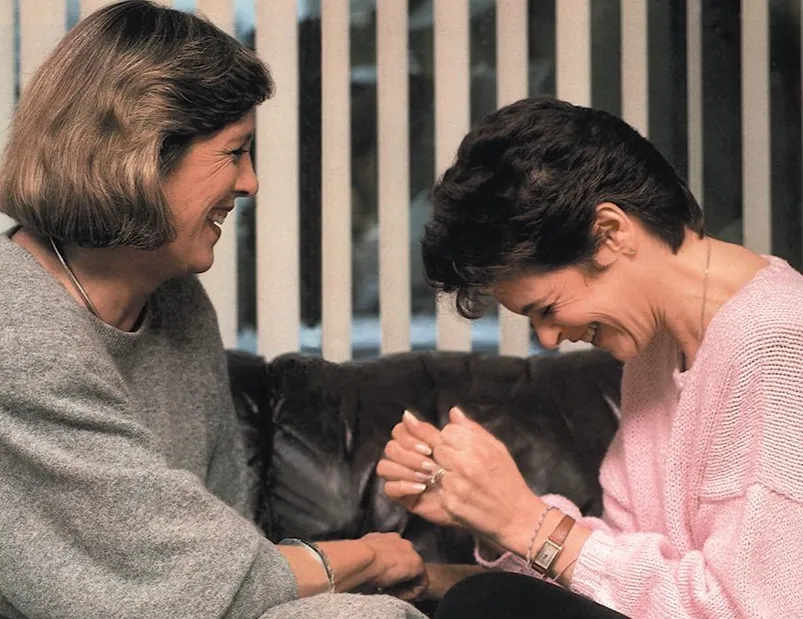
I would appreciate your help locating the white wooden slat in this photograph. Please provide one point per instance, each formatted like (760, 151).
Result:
(90, 6)
(573, 62)
(573, 51)
(6, 82)
(394, 175)
(694, 96)
(336, 181)
(512, 85)
(452, 121)
(635, 60)
(277, 214)
(219, 12)
(42, 24)
(756, 194)
(220, 281)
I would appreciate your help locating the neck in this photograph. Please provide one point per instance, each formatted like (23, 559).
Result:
(118, 281)
(689, 303)
(690, 296)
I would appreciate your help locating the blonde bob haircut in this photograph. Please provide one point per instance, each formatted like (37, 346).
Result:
(109, 115)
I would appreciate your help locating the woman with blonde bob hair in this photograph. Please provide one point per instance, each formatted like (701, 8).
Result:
(124, 483)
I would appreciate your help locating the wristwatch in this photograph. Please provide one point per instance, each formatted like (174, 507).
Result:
(544, 559)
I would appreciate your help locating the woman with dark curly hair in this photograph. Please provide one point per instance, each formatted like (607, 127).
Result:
(124, 490)
(568, 216)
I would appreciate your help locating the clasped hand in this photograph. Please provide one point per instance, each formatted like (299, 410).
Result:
(481, 489)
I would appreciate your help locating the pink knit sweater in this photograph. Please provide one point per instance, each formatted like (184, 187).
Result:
(703, 483)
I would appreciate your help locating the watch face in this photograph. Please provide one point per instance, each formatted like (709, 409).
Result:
(544, 558)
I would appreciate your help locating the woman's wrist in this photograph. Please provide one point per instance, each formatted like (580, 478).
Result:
(517, 534)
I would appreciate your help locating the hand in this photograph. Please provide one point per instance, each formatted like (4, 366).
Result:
(397, 568)
(408, 465)
(482, 489)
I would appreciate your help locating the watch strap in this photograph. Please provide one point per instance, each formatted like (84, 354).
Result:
(545, 558)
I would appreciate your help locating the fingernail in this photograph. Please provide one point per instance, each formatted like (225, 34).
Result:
(421, 476)
(428, 465)
(419, 487)
(458, 413)
(410, 417)
(424, 449)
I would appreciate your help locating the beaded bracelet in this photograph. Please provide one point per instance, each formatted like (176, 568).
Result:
(538, 526)
(318, 553)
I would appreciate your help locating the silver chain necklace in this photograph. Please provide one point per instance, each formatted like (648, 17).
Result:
(705, 290)
(90, 306)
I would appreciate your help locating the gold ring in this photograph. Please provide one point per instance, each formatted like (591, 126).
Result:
(436, 476)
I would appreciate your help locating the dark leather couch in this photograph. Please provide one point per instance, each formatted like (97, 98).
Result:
(315, 431)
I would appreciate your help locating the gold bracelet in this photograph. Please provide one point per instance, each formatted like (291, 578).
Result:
(529, 556)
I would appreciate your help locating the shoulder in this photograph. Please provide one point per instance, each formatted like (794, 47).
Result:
(763, 322)
(39, 323)
(751, 383)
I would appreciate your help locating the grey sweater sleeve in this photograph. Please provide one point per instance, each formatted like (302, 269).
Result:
(93, 522)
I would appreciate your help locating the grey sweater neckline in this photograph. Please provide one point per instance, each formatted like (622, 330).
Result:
(47, 283)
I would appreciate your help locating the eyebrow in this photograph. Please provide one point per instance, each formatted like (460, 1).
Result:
(243, 139)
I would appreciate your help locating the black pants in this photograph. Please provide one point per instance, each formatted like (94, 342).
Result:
(499, 595)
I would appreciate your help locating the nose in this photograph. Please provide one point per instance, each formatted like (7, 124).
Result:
(247, 183)
(549, 335)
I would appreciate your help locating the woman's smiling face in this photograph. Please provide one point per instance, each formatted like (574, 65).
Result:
(606, 309)
(202, 189)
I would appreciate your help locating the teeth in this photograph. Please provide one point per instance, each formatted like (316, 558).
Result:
(591, 331)
(218, 216)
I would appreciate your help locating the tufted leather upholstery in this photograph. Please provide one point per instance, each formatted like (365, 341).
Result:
(315, 431)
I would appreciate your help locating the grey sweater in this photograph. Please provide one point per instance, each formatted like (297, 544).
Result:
(123, 489)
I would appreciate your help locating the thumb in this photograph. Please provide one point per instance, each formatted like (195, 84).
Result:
(458, 417)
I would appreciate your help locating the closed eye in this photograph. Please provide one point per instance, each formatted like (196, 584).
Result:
(239, 153)
(547, 311)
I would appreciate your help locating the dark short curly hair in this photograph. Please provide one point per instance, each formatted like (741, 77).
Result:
(111, 112)
(521, 196)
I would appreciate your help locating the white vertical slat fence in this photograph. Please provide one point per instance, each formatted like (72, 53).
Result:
(635, 59)
(511, 85)
(756, 178)
(336, 178)
(694, 97)
(573, 51)
(220, 281)
(42, 23)
(394, 173)
(573, 69)
(277, 214)
(6, 81)
(452, 119)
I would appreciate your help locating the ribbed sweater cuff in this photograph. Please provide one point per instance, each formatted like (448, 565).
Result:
(591, 570)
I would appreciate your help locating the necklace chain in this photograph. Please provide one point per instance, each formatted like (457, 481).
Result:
(705, 290)
(90, 306)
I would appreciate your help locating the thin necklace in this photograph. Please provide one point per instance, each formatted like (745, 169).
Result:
(705, 290)
(90, 306)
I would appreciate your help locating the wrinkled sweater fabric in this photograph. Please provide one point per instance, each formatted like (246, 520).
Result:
(123, 484)
(703, 483)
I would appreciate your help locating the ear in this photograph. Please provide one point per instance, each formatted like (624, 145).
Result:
(618, 232)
